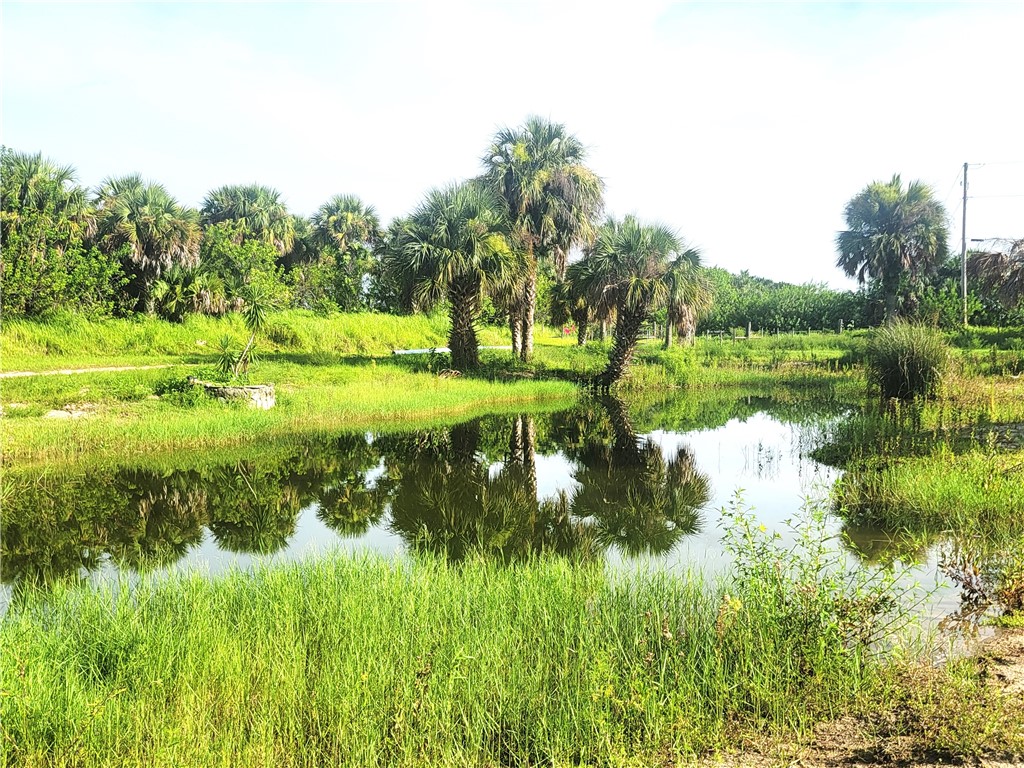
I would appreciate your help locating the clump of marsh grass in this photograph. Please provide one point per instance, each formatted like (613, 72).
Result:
(906, 360)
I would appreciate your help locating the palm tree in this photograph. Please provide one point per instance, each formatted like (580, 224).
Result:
(455, 246)
(552, 200)
(345, 222)
(260, 211)
(345, 232)
(895, 236)
(690, 296)
(153, 232)
(630, 266)
(1002, 272)
(34, 182)
(184, 290)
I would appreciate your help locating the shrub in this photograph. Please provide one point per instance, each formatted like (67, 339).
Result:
(907, 361)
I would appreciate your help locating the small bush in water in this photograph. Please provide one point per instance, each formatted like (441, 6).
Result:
(906, 360)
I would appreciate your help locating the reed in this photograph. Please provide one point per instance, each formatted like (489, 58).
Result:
(354, 660)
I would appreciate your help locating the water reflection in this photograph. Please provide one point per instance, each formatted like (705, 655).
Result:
(465, 490)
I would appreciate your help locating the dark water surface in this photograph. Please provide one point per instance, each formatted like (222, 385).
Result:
(638, 486)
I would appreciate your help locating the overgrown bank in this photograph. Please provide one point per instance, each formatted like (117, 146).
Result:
(365, 662)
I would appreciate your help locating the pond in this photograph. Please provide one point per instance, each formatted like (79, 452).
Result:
(640, 485)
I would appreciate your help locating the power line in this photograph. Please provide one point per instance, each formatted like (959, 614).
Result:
(991, 197)
(998, 162)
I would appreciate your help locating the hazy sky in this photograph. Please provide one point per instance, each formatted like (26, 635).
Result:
(745, 126)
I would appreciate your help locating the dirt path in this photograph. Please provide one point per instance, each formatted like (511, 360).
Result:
(69, 371)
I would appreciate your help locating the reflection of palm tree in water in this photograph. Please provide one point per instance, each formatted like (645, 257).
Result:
(347, 503)
(171, 514)
(638, 500)
(260, 521)
(448, 502)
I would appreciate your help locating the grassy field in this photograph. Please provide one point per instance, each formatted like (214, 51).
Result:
(71, 341)
(359, 661)
(330, 373)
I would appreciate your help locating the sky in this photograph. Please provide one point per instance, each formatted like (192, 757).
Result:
(746, 127)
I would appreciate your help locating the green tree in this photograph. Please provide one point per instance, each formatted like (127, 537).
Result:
(37, 183)
(259, 211)
(455, 246)
(1002, 272)
(630, 266)
(552, 199)
(346, 231)
(46, 261)
(151, 231)
(896, 237)
(689, 296)
(181, 291)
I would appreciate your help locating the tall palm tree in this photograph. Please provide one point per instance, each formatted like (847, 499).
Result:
(455, 246)
(690, 296)
(553, 200)
(1002, 271)
(630, 266)
(153, 232)
(345, 232)
(896, 236)
(260, 211)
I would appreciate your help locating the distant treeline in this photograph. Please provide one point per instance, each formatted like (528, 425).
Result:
(128, 246)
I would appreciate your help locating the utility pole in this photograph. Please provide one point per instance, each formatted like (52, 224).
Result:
(963, 250)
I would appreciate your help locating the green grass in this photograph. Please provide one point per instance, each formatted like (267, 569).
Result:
(360, 661)
(67, 341)
(310, 399)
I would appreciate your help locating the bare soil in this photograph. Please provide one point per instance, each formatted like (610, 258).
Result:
(858, 742)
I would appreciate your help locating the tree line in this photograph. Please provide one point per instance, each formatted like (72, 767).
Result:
(524, 237)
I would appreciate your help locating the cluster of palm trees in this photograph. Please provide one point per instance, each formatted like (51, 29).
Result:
(175, 259)
(536, 202)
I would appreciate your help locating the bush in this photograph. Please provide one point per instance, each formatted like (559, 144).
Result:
(907, 361)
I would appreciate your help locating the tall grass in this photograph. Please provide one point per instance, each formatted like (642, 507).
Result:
(67, 339)
(358, 661)
(907, 361)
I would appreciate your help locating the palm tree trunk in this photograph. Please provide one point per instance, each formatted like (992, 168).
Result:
(689, 323)
(529, 310)
(516, 329)
(464, 297)
(627, 333)
(668, 334)
(515, 442)
(626, 442)
(890, 306)
(582, 319)
(604, 330)
(529, 432)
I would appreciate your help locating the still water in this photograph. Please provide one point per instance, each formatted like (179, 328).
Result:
(638, 486)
